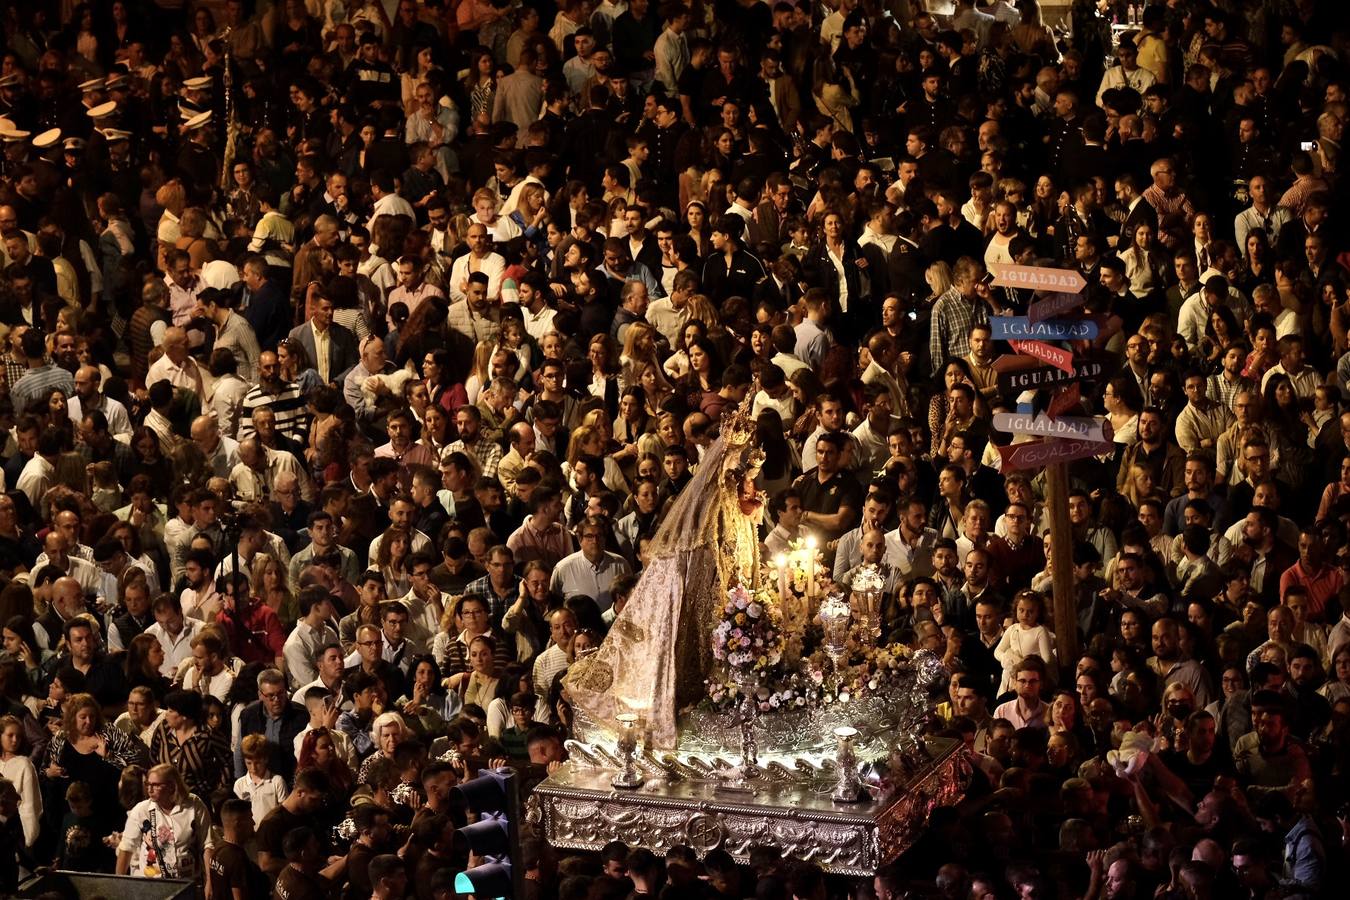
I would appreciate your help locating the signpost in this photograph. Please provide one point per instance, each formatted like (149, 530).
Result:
(1060, 439)
(1020, 328)
(1038, 279)
(1021, 379)
(1065, 399)
(1034, 454)
(1052, 305)
(1094, 429)
(1055, 356)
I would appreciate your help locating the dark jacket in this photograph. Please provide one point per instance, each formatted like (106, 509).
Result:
(254, 721)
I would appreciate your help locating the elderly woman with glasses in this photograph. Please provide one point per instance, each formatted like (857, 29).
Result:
(167, 834)
(386, 732)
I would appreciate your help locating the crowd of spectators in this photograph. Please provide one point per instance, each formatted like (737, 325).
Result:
(353, 350)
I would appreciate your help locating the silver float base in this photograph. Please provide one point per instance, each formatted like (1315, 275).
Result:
(578, 809)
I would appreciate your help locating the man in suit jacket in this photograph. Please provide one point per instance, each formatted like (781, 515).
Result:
(340, 352)
(273, 707)
(1138, 211)
(1263, 554)
(264, 304)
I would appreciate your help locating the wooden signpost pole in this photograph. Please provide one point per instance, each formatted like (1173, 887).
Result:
(1064, 606)
(1065, 288)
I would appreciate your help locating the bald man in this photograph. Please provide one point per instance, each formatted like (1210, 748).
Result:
(88, 398)
(175, 366)
(67, 602)
(221, 452)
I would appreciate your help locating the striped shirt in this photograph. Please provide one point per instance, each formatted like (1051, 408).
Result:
(203, 759)
(37, 383)
(287, 403)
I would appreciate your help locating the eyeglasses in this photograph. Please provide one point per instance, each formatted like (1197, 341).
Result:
(275, 695)
(367, 643)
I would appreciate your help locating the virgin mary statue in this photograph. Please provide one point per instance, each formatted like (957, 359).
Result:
(657, 656)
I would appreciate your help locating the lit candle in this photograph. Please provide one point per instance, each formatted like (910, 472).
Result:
(781, 561)
(811, 566)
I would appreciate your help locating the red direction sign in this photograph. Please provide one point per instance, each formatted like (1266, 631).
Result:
(1037, 278)
(1066, 398)
(1011, 362)
(1053, 305)
(1056, 356)
(1035, 454)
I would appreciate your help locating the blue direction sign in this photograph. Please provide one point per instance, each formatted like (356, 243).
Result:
(1020, 328)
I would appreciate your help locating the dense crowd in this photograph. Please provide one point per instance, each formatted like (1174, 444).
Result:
(354, 350)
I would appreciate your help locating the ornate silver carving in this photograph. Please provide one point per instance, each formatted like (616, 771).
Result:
(580, 810)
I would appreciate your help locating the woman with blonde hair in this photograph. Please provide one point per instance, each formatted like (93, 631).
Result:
(639, 351)
(1139, 485)
(271, 584)
(666, 434)
(656, 388)
(938, 276)
(589, 440)
(165, 834)
(480, 371)
(192, 238)
(386, 733)
(1030, 35)
(172, 198)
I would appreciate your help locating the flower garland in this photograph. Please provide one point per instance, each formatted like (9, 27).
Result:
(749, 641)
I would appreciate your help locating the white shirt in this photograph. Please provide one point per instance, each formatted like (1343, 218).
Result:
(788, 363)
(119, 423)
(492, 265)
(503, 229)
(265, 795)
(1305, 381)
(541, 323)
(35, 479)
(179, 837)
(217, 685)
(186, 376)
(321, 362)
(301, 649)
(390, 205)
(575, 575)
(843, 278)
(178, 649)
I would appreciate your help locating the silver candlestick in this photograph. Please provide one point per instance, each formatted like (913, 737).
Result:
(629, 778)
(848, 789)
